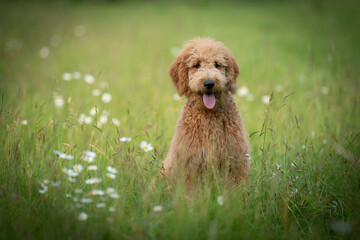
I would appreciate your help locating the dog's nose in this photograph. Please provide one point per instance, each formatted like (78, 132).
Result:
(209, 84)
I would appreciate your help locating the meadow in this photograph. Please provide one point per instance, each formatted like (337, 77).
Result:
(88, 111)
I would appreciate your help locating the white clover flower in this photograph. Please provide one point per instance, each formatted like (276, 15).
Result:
(114, 195)
(56, 184)
(250, 97)
(92, 168)
(125, 139)
(44, 52)
(247, 157)
(96, 92)
(220, 200)
(158, 208)
(43, 190)
(110, 175)
(176, 97)
(93, 111)
(97, 192)
(266, 99)
(93, 181)
(115, 121)
(106, 97)
(100, 205)
(78, 168)
(111, 209)
(88, 78)
(86, 200)
(82, 216)
(76, 75)
(243, 91)
(72, 180)
(79, 30)
(59, 101)
(111, 169)
(24, 122)
(78, 191)
(110, 190)
(66, 76)
(146, 146)
(279, 88)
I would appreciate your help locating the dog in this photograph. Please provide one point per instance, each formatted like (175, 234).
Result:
(210, 129)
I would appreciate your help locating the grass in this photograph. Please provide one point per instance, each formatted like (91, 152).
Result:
(310, 129)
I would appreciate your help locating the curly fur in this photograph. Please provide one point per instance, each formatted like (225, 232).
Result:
(205, 135)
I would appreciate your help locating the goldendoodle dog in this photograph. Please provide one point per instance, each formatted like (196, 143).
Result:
(210, 128)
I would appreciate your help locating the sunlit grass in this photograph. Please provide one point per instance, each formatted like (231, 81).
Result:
(88, 111)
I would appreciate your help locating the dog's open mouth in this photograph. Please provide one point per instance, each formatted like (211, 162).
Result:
(209, 100)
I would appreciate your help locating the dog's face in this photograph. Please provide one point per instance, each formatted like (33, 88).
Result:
(204, 67)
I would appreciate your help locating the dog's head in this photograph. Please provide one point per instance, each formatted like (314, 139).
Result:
(205, 67)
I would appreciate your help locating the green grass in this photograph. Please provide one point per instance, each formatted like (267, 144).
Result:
(311, 49)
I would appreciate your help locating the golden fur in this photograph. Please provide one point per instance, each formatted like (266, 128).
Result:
(205, 135)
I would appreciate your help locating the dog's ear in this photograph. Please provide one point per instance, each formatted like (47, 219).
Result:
(178, 72)
(232, 70)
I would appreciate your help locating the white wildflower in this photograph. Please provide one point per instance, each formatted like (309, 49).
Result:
(68, 195)
(100, 205)
(115, 121)
(266, 99)
(93, 111)
(277, 166)
(220, 200)
(243, 91)
(59, 101)
(146, 146)
(110, 175)
(92, 168)
(125, 139)
(43, 190)
(279, 88)
(97, 192)
(114, 195)
(111, 209)
(324, 141)
(56, 184)
(24, 122)
(82, 216)
(250, 97)
(44, 52)
(103, 119)
(106, 97)
(110, 190)
(96, 92)
(86, 200)
(111, 169)
(66, 76)
(88, 78)
(158, 208)
(75, 199)
(78, 168)
(78, 191)
(93, 181)
(293, 193)
(176, 97)
(72, 180)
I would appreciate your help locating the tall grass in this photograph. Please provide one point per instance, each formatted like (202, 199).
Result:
(305, 142)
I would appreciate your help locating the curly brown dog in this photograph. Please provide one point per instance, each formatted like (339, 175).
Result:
(210, 128)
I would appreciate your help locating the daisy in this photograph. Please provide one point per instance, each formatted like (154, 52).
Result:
(72, 173)
(43, 190)
(110, 175)
(93, 181)
(24, 122)
(59, 101)
(158, 208)
(78, 168)
(125, 139)
(106, 97)
(90, 154)
(81, 118)
(97, 192)
(110, 190)
(114, 195)
(92, 168)
(100, 205)
(111, 169)
(72, 180)
(266, 99)
(115, 121)
(146, 146)
(96, 92)
(86, 200)
(88, 78)
(66, 76)
(243, 91)
(277, 166)
(93, 111)
(82, 216)
(103, 119)
(220, 200)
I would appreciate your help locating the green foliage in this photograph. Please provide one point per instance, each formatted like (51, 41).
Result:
(305, 144)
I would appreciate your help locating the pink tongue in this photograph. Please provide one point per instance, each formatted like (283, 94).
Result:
(209, 100)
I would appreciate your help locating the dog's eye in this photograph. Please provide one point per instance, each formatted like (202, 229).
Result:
(197, 65)
(217, 65)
